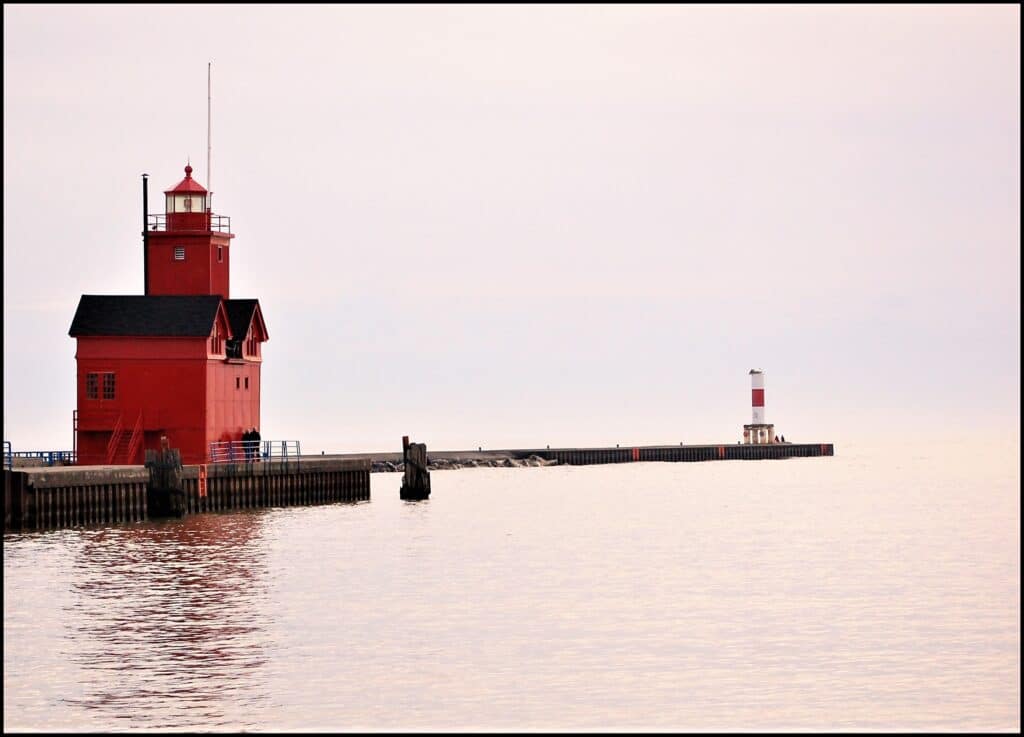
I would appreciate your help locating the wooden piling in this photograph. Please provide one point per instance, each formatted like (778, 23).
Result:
(416, 482)
(165, 496)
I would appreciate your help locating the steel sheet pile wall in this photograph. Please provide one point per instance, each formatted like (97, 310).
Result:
(75, 496)
(680, 453)
(70, 497)
(249, 486)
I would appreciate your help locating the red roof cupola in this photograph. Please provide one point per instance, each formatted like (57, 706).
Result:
(186, 205)
(186, 209)
(188, 184)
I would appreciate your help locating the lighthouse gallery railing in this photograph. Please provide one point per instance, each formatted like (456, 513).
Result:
(218, 223)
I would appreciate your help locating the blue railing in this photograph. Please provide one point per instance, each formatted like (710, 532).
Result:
(39, 457)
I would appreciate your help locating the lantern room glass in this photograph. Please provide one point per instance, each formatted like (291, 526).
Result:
(186, 202)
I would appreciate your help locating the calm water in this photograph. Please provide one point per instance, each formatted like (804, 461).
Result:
(874, 590)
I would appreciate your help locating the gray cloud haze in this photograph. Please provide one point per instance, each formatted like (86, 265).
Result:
(528, 225)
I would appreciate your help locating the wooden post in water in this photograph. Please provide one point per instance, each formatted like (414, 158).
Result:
(416, 483)
(165, 496)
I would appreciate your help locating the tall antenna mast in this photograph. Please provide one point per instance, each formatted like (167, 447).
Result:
(209, 177)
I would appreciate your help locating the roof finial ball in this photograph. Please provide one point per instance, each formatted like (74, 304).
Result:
(188, 170)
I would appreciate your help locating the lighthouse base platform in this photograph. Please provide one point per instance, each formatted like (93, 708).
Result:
(759, 434)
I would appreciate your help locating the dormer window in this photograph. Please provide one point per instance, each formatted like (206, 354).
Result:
(216, 342)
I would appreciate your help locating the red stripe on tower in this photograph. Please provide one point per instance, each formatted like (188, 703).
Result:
(757, 396)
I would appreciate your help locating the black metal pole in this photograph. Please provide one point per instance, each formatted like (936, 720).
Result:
(145, 234)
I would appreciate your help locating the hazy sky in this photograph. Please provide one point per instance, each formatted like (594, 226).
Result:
(514, 226)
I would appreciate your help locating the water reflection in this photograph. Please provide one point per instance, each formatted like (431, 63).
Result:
(836, 594)
(167, 621)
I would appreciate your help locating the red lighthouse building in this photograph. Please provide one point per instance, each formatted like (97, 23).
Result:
(181, 361)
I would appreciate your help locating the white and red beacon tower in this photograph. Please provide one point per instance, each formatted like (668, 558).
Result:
(758, 432)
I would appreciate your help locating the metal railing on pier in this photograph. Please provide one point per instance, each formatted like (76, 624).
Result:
(280, 452)
(37, 457)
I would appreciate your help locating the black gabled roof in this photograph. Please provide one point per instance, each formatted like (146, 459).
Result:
(139, 315)
(240, 315)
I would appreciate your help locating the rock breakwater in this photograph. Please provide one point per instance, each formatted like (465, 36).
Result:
(445, 464)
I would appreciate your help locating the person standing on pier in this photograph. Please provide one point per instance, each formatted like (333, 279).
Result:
(247, 444)
(255, 438)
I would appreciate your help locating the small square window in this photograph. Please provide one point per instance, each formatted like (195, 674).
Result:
(179, 254)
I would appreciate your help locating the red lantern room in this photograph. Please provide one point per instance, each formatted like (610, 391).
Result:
(186, 205)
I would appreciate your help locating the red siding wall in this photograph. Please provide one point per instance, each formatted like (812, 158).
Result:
(163, 378)
(232, 408)
(199, 273)
(182, 391)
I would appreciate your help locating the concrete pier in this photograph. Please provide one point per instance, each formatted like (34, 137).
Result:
(52, 497)
(250, 485)
(71, 496)
(590, 456)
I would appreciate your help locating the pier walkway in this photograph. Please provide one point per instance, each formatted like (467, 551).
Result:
(592, 456)
(50, 497)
